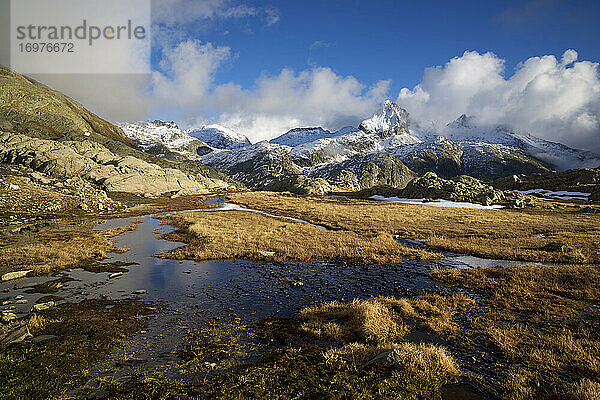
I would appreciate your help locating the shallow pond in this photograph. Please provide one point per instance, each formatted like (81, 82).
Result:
(194, 293)
(256, 290)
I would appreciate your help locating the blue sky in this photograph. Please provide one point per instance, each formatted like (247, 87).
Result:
(373, 40)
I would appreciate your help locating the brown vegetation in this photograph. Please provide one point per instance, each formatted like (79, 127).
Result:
(383, 320)
(544, 321)
(424, 360)
(56, 249)
(251, 236)
(505, 234)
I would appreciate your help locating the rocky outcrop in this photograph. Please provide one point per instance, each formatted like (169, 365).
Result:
(301, 184)
(257, 166)
(485, 161)
(72, 159)
(48, 132)
(460, 188)
(586, 180)
(365, 171)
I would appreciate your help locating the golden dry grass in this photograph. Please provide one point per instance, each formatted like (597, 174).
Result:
(223, 235)
(54, 250)
(383, 319)
(544, 321)
(366, 320)
(425, 360)
(506, 234)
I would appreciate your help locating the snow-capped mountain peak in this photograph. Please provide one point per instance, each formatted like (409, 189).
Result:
(298, 136)
(148, 133)
(464, 122)
(391, 119)
(220, 137)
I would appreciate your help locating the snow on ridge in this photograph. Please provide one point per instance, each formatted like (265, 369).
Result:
(219, 136)
(391, 118)
(299, 136)
(146, 133)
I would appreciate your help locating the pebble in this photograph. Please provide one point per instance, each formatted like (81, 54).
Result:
(43, 306)
(8, 317)
(14, 275)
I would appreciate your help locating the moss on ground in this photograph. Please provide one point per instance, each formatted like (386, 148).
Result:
(81, 335)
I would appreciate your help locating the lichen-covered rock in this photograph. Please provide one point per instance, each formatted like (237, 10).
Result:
(365, 171)
(460, 188)
(92, 161)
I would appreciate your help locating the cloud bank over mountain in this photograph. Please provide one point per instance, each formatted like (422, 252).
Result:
(554, 99)
(316, 96)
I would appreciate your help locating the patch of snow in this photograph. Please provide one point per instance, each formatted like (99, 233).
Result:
(561, 194)
(436, 203)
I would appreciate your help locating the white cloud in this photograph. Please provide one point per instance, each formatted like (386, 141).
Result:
(552, 99)
(275, 104)
(187, 75)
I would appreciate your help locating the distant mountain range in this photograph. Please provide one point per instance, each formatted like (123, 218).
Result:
(386, 149)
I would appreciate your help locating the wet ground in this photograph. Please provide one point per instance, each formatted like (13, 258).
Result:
(193, 293)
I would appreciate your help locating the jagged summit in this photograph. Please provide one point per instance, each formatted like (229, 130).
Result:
(220, 137)
(390, 120)
(464, 121)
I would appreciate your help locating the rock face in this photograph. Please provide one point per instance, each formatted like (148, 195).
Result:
(460, 188)
(365, 171)
(257, 165)
(390, 120)
(50, 133)
(270, 166)
(67, 159)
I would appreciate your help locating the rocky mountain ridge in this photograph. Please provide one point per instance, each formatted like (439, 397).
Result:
(219, 137)
(464, 147)
(387, 149)
(50, 133)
